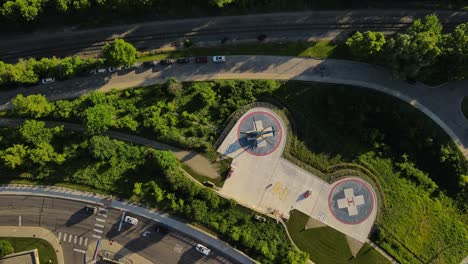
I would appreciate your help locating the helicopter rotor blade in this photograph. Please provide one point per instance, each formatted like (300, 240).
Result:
(267, 141)
(255, 124)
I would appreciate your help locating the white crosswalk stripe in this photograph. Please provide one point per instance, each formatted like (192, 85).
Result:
(79, 250)
(86, 241)
(65, 237)
(81, 240)
(102, 215)
(60, 236)
(99, 225)
(97, 231)
(96, 236)
(100, 220)
(70, 238)
(74, 241)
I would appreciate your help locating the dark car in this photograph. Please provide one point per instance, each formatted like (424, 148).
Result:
(90, 209)
(148, 64)
(201, 59)
(183, 60)
(261, 37)
(160, 228)
(167, 61)
(224, 40)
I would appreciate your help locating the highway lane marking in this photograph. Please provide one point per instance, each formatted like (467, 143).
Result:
(60, 235)
(81, 239)
(99, 225)
(86, 241)
(102, 215)
(79, 250)
(97, 231)
(65, 237)
(70, 238)
(19, 219)
(121, 221)
(96, 236)
(74, 241)
(101, 220)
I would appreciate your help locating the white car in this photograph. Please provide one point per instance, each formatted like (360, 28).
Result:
(219, 58)
(47, 80)
(131, 220)
(114, 69)
(202, 249)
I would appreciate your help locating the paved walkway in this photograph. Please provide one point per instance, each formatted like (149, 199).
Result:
(37, 232)
(194, 160)
(64, 193)
(441, 104)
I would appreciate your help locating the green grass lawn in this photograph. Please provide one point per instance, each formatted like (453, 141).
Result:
(320, 49)
(326, 245)
(46, 251)
(464, 107)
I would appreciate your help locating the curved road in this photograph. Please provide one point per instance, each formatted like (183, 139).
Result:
(76, 229)
(311, 25)
(441, 104)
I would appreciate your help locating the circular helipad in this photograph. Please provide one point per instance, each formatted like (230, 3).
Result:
(259, 133)
(351, 201)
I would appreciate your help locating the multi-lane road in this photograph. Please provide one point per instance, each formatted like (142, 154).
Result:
(77, 230)
(208, 31)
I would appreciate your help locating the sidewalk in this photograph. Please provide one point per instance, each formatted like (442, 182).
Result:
(37, 232)
(64, 193)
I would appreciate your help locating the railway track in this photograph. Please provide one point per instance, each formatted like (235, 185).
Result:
(153, 40)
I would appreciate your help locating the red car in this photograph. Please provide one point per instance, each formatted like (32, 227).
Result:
(201, 59)
(307, 194)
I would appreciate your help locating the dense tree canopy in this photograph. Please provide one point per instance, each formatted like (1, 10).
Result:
(35, 106)
(6, 248)
(364, 46)
(99, 118)
(119, 53)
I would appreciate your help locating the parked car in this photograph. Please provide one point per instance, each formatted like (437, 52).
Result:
(160, 228)
(90, 209)
(154, 63)
(148, 64)
(260, 218)
(131, 220)
(209, 184)
(202, 249)
(219, 58)
(201, 59)
(134, 66)
(183, 60)
(96, 71)
(47, 80)
(167, 61)
(114, 69)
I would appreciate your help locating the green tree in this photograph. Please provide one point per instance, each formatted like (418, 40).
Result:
(296, 257)
(173, 87)
(365, 46)
(43, 154)
(408, 53)
(455, 51)
(21, 10)
(119, 53)
(221, 3)
(6, 248)
(199, 210)
(14, 156)
(99, 118)
(103, 148)
(35, 132)
(35, 106)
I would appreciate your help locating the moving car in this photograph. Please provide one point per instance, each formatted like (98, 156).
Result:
(90, 209)
(161, 229)
(202, 249)
(219, 58)
(47, 80)
(183, 60)
(201, 59)
(131, 220)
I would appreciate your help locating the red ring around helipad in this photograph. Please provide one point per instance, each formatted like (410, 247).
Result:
(278, 124)
(361, 183)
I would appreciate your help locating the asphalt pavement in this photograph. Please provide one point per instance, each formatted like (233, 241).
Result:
(311, 25)
(76, 229)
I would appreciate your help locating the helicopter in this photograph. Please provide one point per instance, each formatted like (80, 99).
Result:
(260, 133)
